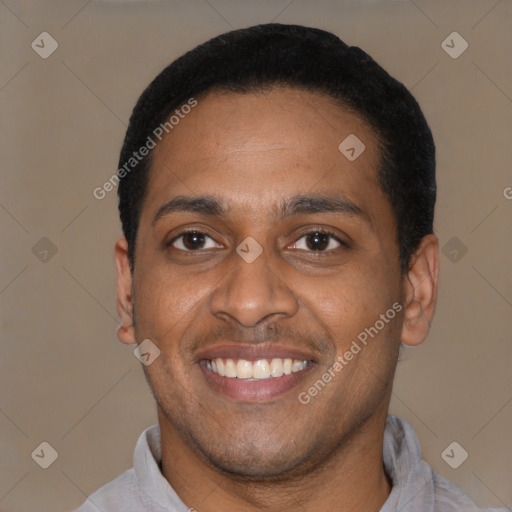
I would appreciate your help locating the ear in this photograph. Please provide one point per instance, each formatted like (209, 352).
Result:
(421, 291)
(126, 330)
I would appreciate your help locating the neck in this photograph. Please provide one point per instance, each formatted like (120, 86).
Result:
(353, 478)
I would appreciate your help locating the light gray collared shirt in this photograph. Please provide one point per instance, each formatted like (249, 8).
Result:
(416, 488)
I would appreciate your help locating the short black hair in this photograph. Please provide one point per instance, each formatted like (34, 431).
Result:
(259, 57)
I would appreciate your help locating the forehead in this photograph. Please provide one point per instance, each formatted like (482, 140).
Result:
(265, 145)
(288, 114)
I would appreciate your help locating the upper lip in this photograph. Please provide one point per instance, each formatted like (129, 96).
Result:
(253, 352)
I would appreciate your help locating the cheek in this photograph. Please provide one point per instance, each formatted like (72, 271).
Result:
(166, 302)
(365, 343)
(352, 301)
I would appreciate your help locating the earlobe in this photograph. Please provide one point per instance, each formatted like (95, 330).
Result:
(125, 331)
(421, 291)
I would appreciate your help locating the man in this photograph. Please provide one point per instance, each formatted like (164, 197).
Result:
(276, 193)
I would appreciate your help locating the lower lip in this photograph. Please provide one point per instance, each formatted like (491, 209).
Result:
(253, 391)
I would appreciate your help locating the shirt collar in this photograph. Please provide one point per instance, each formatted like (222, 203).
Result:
(412, 478)
(154, 490)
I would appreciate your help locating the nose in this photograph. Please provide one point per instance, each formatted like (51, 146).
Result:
(253, 291)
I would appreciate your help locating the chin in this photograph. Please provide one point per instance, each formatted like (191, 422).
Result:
(262, 462)
(246, 468)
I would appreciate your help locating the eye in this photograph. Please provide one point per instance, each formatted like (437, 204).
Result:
(191, 241)
(319, 240)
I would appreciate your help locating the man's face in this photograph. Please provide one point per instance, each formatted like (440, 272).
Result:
(199, 300)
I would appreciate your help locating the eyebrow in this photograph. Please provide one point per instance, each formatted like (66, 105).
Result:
(296, 205)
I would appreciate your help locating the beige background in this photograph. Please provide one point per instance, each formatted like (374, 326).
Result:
(66, 380)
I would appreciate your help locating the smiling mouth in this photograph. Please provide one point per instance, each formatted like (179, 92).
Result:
(250, 371)
(254, 373)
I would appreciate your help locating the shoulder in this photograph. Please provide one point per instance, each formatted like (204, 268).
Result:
(123, 492)
(416, 486)
(119, 494)
(450, 498)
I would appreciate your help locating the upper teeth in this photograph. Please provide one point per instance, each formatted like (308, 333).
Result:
(261, 369)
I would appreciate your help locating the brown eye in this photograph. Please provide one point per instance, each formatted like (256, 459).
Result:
(319, 241)
(191, 241)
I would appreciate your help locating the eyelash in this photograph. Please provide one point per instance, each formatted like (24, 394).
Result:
(302, 235)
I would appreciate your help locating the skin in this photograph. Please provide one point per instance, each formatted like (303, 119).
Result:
(251, 151)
